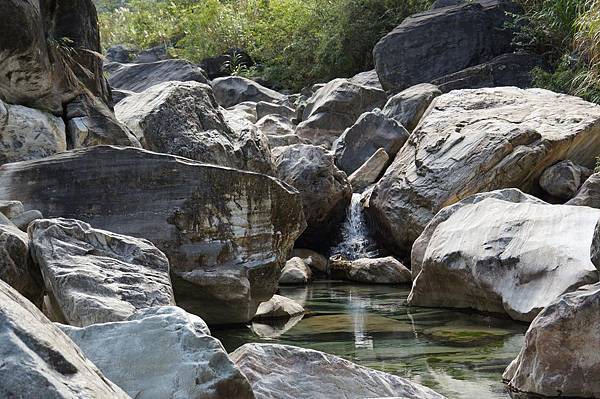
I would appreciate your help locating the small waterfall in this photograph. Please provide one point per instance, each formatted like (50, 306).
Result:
(355, 241)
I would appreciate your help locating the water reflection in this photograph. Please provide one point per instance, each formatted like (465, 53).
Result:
(461, 355)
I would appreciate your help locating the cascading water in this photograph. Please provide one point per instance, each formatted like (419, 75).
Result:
(355, 241)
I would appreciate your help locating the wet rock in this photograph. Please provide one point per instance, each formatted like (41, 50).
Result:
(295, 272)
(314, 260)
(408, 107)
(560, 354)
(174, 356)
(386, 270)
(23, 220)
(563, 180)
(289, 372)
(27, 133)
(39, 360)
(372, 131)
(227, 233)
(278, 307)
(472, 141)
(324, 189)
(503, 252)
(264, 108)
(139, 77)
(232, 90)
(369, 172)
(367, 78)
(94, 276)
(589, 194)
(335, 107)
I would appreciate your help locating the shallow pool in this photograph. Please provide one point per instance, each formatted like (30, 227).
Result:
(459, 354)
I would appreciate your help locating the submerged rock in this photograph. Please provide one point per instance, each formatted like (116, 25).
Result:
(278, 307)
(386, 270)
(162, 353)
(295, 272)
(289, 372)
(227, 233)
(232, 90)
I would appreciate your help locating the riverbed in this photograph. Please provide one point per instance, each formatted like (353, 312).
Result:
(459, 354)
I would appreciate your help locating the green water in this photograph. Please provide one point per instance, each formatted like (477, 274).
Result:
(459, 354)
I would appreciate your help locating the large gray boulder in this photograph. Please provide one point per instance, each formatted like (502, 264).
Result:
(232, 90)
(95, 276)
(386, 270)
(335, 107)
(560, 354)
(40, 361)
(324, 189)
(183, 118)
(367, 78)
(372, 131)
(589, 193)
(408, 107)
(564, 179)
(27, 133)
(295, 272)
(162, 352)
(473, 141)
(278, 307)
(503, 252)
(226, 232)
(139, 77)
(289, 372)
(442, 41)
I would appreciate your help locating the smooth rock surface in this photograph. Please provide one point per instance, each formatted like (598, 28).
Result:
(232, 90)
(564, 179)
(589, 193)
(162, 353)
(278, 307)
(247, 109)
(367, 78)
(295, 272)
(370, 171)
(226, 233)
(314, 260)
(386, 270)
(95, 276)
(503, 252)
(473, 141)
(289, 372)
(23, 220)
(264, 108)
(408, 107)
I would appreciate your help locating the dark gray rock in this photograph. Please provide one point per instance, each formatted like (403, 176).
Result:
(120, 53)
(446, 3)
(118, 95)
(217, 67)
(564, 179)
(23, 220)
(408, 107)
(153, 54)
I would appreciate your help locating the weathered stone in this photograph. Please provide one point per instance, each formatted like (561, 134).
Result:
(276, 125)
(368, 78)
(439, 42)
(40, 361)
(27, 133)
(278, 307)
(589, 194)
(120, 53)
(232, 90)
(386, 270)
(564, 179)
(139, 77)
(560, 354)
(314, 260)
(162, 352)
(335, 107)
(227, 233)
(503, 252)
(408, 107)
(295, 272)
(370, 171)
(247, 109)
(10, 209)
(289, 372)
(264, 108)
(324, 189)
(285, 140)
(118, 95)
(94, 276)
(372, 131)
(473, 141)
(153, 54)
(23, 220)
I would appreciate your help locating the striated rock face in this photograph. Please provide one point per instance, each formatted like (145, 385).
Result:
(324, 189)
(139, 77)
(162, 353)
(503, 252)
(560, 354)
(589, 194)
(563, 180)
(442, 41)
(473, 141)
(226, 232)
(278, 307)
(95, 276)
(27, 133)
(40, 361)
(335, 107)
(289, 372)
(386, 270)
(232, 90)
(408, 107)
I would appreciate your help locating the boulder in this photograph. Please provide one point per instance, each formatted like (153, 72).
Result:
(16, 266)
(278, 307)
(162, 352)
(335, 107)
(324, 189)
(11, 209)
(247, 109)
(560, 354)
(386, 270)
(23, 220)
(153, 54)
(40, 361)
(589, 194)
(217, 67)
(295, 272)
(94, 276)
(367, 78)
(139, 77)
(227, 233)
(232, 90)
(372, 131)
(285, 140)
(314, 260)
(289, 372)
(264, 108)
(442, 41)
(120, 53)
(370, 171)
(27, 133)
(473, 141)
(564, 179)
(276, 125)
(408, 107)
(503, 252)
